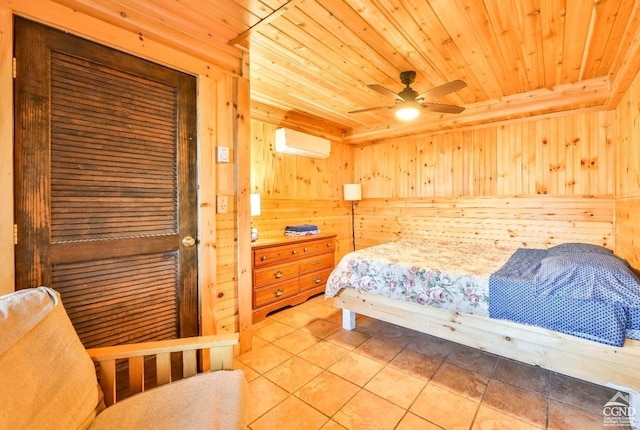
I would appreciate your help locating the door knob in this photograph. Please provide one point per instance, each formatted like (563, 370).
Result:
(188, 241)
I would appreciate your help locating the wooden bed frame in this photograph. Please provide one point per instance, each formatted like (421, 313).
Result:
(614, 367)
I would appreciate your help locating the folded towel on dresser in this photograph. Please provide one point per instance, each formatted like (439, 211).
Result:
(301, 230)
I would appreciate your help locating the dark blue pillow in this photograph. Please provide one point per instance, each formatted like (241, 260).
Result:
(578, 247)
(588, 275)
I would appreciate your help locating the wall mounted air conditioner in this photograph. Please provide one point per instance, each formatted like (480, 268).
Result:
(302, 144)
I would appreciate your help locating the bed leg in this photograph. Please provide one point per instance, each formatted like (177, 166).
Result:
(348, 319)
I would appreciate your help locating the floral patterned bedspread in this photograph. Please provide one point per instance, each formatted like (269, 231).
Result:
(440, 273)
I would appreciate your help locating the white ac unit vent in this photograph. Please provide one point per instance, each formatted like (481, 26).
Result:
(302, 144)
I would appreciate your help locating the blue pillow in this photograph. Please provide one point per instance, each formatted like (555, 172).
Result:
(588, 275)
(578, 247)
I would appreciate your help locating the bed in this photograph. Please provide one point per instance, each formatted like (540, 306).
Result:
(514, 303)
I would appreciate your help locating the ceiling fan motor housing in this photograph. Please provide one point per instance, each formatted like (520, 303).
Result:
(408, 77)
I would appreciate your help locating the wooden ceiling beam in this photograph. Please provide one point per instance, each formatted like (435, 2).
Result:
(297, 121)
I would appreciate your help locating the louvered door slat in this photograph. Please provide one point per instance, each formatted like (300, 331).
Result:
(140, 175)
(119, 305)
(124, 145)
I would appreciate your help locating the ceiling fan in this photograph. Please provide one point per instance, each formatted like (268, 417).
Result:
(409, 102)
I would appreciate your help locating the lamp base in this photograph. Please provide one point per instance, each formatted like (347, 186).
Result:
(254, 234)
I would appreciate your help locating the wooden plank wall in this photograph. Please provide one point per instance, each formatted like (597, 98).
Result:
(532, 183)
(556, 156)
(628, 175)
(298, 190)
(516, 221)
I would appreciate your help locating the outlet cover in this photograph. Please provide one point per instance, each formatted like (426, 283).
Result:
(223, 154)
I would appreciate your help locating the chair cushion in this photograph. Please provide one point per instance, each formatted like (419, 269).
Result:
(215, 400)
(48, 380)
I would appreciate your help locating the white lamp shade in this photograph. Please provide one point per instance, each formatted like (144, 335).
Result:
(352, 192)
(254, 202)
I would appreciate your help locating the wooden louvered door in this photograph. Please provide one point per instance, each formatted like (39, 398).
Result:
(105, 186)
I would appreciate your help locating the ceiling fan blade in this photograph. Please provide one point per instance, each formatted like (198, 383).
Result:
(442, 90)
(368, 109)
(438, 107)
(385, 91)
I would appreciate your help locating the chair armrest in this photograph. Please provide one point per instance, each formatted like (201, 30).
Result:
(217, 354)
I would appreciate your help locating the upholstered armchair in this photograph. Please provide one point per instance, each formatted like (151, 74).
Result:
(48, 380)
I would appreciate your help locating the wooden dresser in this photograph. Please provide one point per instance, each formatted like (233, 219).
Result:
(289, 270)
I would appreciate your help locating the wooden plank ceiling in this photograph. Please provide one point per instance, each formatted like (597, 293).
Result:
(311, 60)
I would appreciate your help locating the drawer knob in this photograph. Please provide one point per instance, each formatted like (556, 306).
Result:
(294, 252)
(278, 274)
(328, 245)
(305, 249)
(279, 292)
(317, 279)
(264, 257)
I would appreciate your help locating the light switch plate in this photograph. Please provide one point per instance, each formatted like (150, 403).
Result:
(223, 154)
(222, 204)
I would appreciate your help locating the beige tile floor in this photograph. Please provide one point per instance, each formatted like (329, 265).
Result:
(305, 372)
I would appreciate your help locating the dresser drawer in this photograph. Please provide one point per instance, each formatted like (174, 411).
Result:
(266, 256)
(278, 273)
(274, 293)
(315, 247)
(318, 262)
(314, 280)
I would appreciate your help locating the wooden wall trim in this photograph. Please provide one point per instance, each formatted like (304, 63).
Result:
(7, 269)
(242, 145)
(207, 253)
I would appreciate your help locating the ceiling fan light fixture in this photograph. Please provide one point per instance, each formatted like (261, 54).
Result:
(407, 106)
(408, 110)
